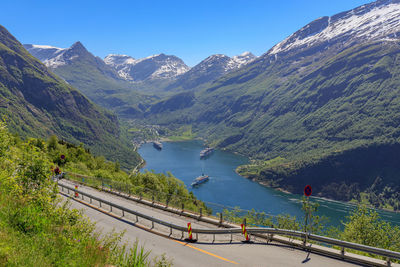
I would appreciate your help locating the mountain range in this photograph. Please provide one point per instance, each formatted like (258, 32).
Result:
(324, 99)
(37, 103)
(159, 67)
(321, 107)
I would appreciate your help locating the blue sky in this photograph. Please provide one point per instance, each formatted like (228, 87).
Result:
(191, 30)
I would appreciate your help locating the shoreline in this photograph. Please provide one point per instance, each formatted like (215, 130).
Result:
(318, 197)
(279, 189)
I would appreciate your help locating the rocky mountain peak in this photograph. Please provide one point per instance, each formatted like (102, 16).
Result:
(159, 66)
(78, 46)
(378, 20)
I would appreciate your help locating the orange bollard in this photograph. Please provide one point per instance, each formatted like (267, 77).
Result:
(244, 231)
(76, 193)
(190, 231)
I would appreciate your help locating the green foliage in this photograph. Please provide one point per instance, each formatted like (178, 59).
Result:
(52, 142)
(330, 120)
(81, 165)
(183, 133)
(315, 223)
(37, 103)
(365, 227)
(36, 228)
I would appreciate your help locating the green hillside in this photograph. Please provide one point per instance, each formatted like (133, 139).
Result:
(305, 111)
(101, 84)
(37, 103)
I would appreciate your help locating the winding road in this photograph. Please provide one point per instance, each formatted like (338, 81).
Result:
(205, 252)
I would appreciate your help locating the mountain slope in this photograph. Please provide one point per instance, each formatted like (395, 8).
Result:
(38, 103)
(331, 87)
(210, 69)
(98, 81)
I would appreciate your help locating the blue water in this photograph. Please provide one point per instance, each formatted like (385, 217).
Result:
(227, 188)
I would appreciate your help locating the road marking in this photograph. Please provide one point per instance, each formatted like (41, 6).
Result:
(206, 252)
(144, 228)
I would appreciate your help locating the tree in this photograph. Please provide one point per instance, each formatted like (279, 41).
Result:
(52, 143)
(364, 226)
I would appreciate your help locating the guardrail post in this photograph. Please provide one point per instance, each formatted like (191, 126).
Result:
(110, 208)
(342, 252)
(220, 218)
(100, 204)
(82, 197)
(213, 238)
(137, 218)
(152, 200)
(170, 231)
(182, 235)
(76, 193)
(152, 224)
(201, 212)
(68, 190)
(183, 207)
(90, 199)
(388, 263)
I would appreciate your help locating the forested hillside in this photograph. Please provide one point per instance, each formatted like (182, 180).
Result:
(35, 102)
(327, 89)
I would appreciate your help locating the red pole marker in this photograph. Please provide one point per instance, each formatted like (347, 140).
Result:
(190, 231)
(76, 193)
(244, 231)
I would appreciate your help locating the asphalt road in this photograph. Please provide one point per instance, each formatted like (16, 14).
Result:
(205, 252)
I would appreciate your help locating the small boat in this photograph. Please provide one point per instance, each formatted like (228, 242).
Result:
(206, 152)
(200, 180)
(157, 145)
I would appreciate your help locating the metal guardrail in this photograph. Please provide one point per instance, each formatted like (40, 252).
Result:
(388, 254)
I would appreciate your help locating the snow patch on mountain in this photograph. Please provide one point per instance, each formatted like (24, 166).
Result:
(54, 57)
(376, 20)
(46, 47)
(159, 66)
(115, 60)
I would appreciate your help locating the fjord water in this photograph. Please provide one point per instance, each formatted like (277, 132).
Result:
(227, 188)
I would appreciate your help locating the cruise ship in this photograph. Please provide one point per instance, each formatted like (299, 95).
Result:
(157, 145)
(206, 152)
(200, 180)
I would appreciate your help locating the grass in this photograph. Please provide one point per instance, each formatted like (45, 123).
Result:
(36, 228)
(184, 133)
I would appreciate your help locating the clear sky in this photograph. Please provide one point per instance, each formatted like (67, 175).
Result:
(189, 29)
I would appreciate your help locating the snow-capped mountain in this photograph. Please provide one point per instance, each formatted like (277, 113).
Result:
(159, 66)
(211, 69)
(54, 57)
(379, 20)
(243, 59)
(44, 52)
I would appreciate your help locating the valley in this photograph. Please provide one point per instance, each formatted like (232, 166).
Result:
(325, 96)
(121, 100)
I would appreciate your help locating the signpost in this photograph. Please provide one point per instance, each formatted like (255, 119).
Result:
(307, 193)
(307, 190)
